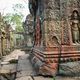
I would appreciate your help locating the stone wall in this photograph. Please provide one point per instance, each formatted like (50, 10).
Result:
(57, 14)
(5, 37)
(56, 24)
(29, 30)
(52, 22)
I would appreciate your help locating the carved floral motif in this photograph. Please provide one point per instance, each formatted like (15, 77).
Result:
(53, 33)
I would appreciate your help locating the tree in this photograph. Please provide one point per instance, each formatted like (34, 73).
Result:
(16, 17)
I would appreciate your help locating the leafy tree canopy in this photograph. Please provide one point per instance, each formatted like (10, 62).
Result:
(16, 17)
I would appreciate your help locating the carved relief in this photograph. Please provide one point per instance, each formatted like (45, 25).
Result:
(74, 3)
(38, 32)
(52, 9)
(52, 14)
(53, 36)
(63, 9)
(57, 4)
(50, 4)
(65, 32)
(57, 11)
(64, 23)
(75, 27)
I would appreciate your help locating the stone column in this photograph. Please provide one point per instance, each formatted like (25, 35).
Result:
(64, 23)
(52, 28)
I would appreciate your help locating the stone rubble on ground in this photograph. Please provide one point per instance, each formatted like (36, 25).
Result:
(24, 68)
(14, 55)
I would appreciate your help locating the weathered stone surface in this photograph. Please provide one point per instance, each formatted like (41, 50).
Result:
(45, 78)
(24, 67)
(52, 29)
(28, 26)
(72, 68)
(55, 78)
(42, 78)
(65, 32)
(74, 3)
(25, 78)
(9, 68)
(52, 9)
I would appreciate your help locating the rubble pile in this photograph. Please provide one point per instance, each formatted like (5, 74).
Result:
(13, 56)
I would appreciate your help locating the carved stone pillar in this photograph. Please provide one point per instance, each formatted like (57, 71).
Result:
(64, 23)
(51, 23)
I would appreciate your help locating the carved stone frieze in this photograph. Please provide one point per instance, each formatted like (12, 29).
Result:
(63, 9)
(52, 4)
(53, 33)
(52, 14)
(49, 4)
(74, 3)
(65, 32)
(52, 9)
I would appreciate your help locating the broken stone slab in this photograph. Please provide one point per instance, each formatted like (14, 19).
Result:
(70, 68)
(7, 68)
(7, 71)
(4, 63)
(14, 55)
(25, 78)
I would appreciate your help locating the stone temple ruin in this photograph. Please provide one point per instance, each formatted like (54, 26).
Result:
(56, 36)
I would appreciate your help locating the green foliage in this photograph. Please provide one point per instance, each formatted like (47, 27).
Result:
(16, 17)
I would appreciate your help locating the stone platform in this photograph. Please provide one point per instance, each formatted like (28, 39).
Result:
(25, 71)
